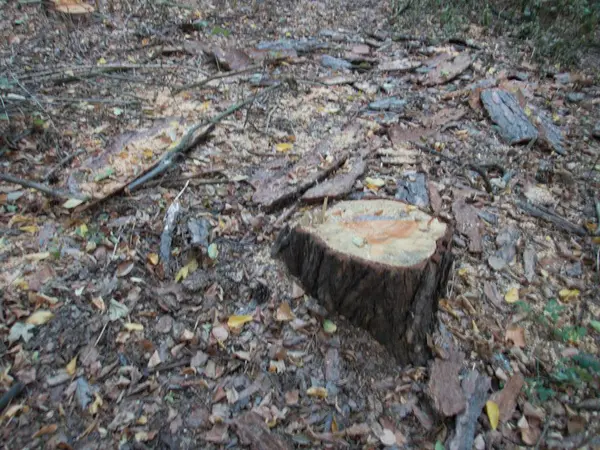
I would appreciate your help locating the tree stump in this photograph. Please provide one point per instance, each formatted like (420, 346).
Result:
(380, 263)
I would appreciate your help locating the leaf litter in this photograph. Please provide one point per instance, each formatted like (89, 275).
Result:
(212, 335)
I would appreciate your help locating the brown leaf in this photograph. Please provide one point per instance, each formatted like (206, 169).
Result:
(516, 335)
(48, 429)
(284, 312)
(254, 432)
(444, 385)
(506, 399)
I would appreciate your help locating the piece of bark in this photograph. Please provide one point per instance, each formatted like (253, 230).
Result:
(336, 187)
(252, 431)
(444, 385)
(506, 399)
(231, 59)
(447, 71)
(467, 223)
(549, 135)
(475, 387)
(399, 65)
(380, 263)
(513, 125)
(281, 183)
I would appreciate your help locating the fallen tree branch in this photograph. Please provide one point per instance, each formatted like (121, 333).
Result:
(215, 77)
(550, 216)
(57, 193)
(189, 139)
(63, 162)
(11, 394)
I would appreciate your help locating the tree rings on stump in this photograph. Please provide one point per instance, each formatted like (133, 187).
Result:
(380, 263)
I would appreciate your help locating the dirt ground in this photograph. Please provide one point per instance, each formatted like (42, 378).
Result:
(157, 317)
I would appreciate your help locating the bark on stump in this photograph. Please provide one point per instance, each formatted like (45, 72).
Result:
(380, 263)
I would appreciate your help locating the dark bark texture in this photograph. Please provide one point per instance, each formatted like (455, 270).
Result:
(397, 305)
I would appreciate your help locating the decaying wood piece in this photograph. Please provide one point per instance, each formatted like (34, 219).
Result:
(550, 216)
(504, 110)
(337, 186)
(278, 185)
(380, 263)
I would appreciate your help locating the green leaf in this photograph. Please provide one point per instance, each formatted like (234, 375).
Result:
(329, 327)
(595, 324)
(104, 174)
(216, 31)
(213, 251)
(439, 446)
(117, 111)
(117, 310)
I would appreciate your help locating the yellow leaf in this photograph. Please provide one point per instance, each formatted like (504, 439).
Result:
(153, 258)
(284, 147)
(130, 326)
(101, 61)
(95, 406)
(72, 366)
(21, 284)
(319, 392)
(567, 295)
(37, 256)
(186, 270)
(374, 183)
(238, 321)
(493, 413)
(512, 295)
(40, 317)
(30, 229)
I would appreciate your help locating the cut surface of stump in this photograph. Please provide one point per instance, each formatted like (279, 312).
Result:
(380, 263)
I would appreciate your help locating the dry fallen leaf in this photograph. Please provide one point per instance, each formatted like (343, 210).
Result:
(153, 258)
(284, 313)
(238, 321)
(512, 295)
(72, 366)
(154, 360)
(516, 335)
(319, 392)
(48, 429)
(134, 326)
(40, 317)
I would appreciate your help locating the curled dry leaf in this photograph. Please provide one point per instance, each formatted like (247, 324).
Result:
(235, 322)
(125, 268)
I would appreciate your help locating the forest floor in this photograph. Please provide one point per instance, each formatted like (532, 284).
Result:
(153, 316)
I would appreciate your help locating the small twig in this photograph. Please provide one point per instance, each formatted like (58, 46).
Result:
(63, 162)
(101, 333)
(40, 187)
(550, 216)
(112, 101)
(597, 233)
(215, 77)
(543, 434)
(472, 166)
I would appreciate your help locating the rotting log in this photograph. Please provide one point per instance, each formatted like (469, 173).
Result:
(380, 263)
